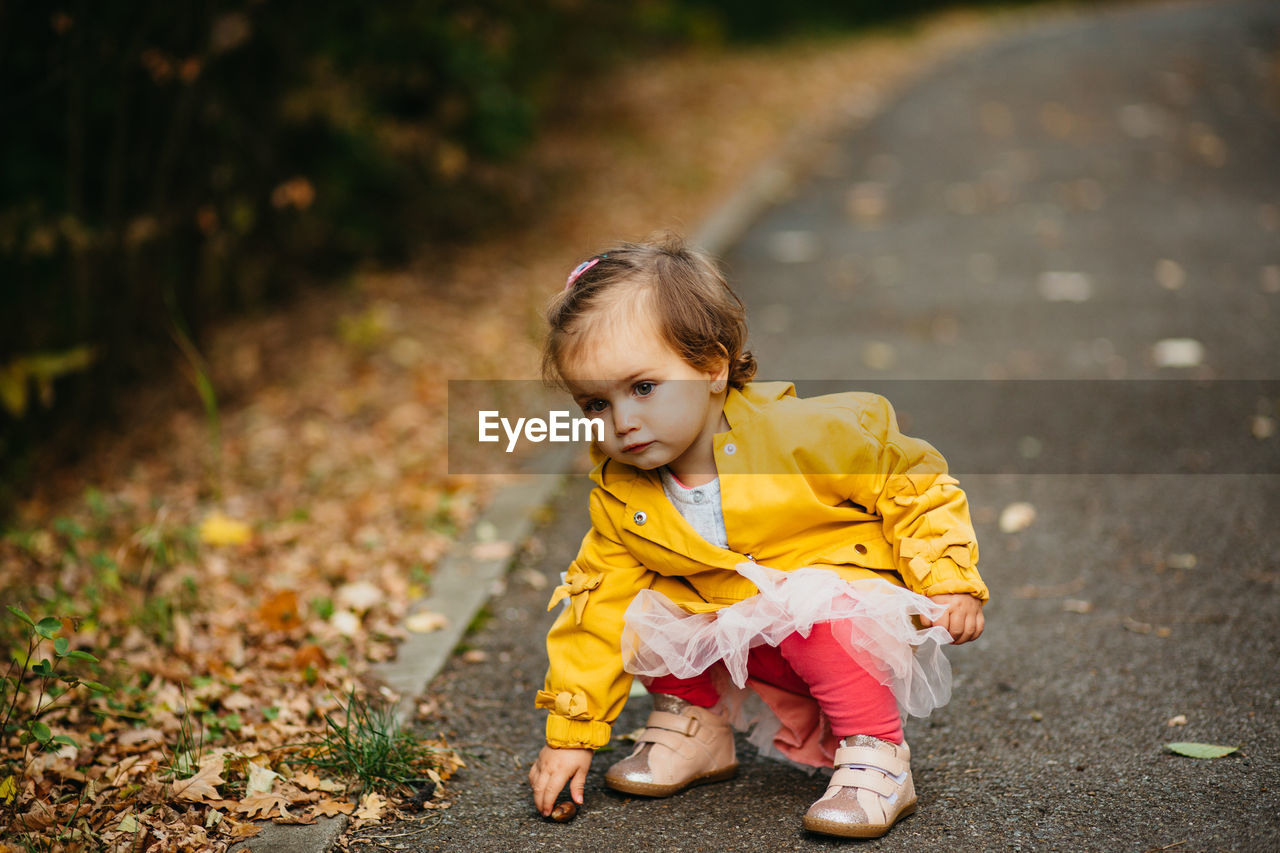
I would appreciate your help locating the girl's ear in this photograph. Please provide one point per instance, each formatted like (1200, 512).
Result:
(719, 372)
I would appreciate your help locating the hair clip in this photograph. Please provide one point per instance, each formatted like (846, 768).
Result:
(579, 270)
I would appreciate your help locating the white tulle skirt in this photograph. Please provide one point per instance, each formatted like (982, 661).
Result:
(875, 623)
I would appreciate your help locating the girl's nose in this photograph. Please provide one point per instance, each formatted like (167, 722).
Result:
(623, 420)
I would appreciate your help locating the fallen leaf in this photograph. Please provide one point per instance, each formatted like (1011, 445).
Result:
(358, 596)
(371, 807)
(1180, 720)
(424, 622)
(1271, 279)
(329, 808)
(261, 806)
(1065, 286)
(1076, 605)
(793, 247)
(1170, 274)
(1200, 750)
(311, 782)
(280, 611)
(310, 655)
(498, 550)
(345, 622)
(245, 830)
(475, 656)
(238, 701)
(8, 790)
(1177, 352)
(219, 529)
(204, 784)
(867, 202)
(261, 780)
(532, 577)
(121, 771)
(878, 355)
(1017, 516)
(1137, 627)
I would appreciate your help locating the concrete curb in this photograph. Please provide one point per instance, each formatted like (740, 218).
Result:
(464, 581)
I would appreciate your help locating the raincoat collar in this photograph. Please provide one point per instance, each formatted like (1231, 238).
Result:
(619, 479)
(642, 494)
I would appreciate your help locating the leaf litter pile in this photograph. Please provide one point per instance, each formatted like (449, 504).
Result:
(197, 603)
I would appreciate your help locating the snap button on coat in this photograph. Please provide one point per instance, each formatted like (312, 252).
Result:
(640, 517)
(730, 449)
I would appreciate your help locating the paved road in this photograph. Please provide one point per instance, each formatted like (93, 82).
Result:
(1047, 208)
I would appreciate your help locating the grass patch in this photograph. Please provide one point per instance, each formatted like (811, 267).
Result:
(364, 742)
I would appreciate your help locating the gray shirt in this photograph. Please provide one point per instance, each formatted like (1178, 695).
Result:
(700, 506)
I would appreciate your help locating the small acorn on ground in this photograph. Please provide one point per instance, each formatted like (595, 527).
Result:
(564, 812)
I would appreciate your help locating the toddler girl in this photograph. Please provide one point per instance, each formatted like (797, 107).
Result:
(758, 560)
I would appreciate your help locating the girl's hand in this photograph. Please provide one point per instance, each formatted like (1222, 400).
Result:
(553, 768)
(963, 619)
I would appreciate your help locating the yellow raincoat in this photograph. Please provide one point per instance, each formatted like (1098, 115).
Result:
(825, 481)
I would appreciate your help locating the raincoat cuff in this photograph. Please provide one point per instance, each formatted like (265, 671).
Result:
(564, 733)
(928, 562)
(951, 579)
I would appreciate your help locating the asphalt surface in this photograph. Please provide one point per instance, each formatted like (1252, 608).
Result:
(1047, 208)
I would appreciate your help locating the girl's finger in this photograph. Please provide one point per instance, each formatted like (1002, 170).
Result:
(577, 786)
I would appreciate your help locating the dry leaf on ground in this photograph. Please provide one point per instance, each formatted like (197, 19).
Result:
(219, 529)
(425, 622)
(261, 779)
(204, 784)
(311, 782)
(329, 808)
(262, 806)
(372, 806)
(1017, 516)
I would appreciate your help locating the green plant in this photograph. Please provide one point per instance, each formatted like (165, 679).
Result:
(185, 757)
(365, 742)
(30, 693)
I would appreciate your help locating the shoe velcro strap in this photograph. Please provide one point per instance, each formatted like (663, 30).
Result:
(679, 723)
(873, 757)
(681, 745)
(861, 777)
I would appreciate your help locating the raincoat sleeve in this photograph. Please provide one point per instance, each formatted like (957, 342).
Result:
(586, 687)
(905, 481)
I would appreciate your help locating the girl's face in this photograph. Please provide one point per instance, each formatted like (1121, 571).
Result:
(657, 409)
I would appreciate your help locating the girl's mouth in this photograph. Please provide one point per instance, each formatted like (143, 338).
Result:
(636, 448)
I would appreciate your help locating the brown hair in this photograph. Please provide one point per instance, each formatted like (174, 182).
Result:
(682, 290)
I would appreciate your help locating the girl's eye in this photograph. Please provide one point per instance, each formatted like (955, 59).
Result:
(644, 389)
(594, 407)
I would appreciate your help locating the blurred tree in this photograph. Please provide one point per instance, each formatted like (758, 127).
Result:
(163, 164)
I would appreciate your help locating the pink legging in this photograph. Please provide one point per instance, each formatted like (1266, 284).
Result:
(851, 698)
